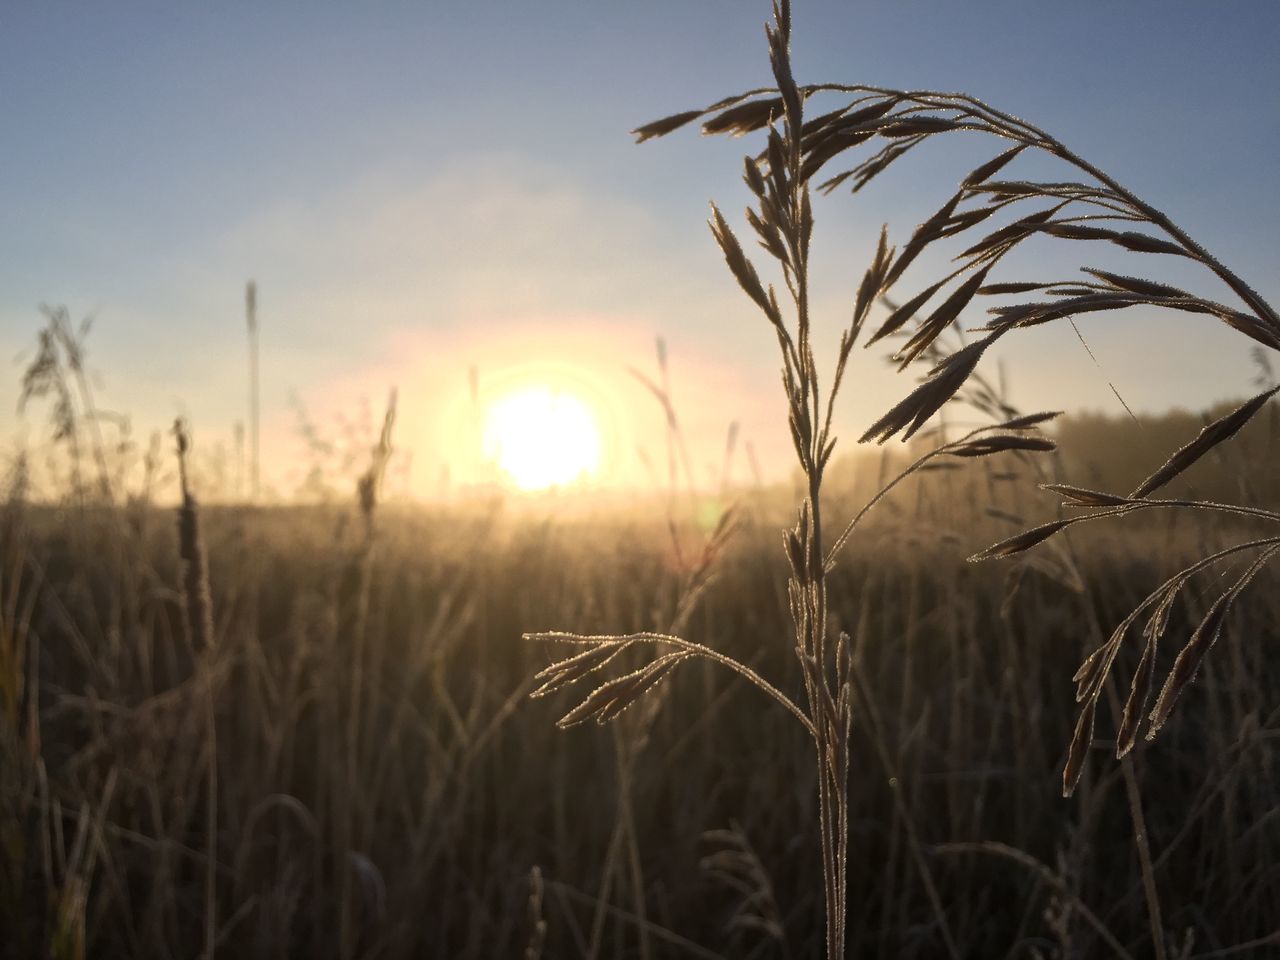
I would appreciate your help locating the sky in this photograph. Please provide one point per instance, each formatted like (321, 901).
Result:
(420, 189)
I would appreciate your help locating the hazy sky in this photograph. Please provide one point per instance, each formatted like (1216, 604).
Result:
(419, 187)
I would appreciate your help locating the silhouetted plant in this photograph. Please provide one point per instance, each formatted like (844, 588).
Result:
(782, 217)
(887, 124)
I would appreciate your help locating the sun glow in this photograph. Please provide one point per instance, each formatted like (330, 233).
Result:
(540, 438)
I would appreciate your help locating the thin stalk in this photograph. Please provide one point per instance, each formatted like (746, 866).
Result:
(251, 320)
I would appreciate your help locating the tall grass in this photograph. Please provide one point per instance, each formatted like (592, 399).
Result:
(303, 731)
(783, 219)
(1097, 209)
(255, 448)
(779, 177)
(457, 788)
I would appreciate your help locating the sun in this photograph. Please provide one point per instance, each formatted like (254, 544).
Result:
(541, 438)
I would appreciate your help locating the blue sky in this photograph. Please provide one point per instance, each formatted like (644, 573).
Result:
(419, 187)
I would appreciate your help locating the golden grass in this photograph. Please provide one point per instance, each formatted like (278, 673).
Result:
(305, 732)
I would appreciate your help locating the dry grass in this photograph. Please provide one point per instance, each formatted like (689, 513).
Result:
(797, 148)
(299, 732)
(782, 217)
(424, 837)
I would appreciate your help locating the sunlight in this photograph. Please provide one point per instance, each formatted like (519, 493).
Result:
(540, 438)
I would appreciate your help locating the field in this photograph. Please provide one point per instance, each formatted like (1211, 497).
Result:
(354, 769)
(975, 681)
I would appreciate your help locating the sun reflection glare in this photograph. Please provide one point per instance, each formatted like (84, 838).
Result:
(541, 438)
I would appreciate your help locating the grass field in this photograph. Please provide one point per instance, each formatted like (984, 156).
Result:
(384, 788)
(235, 725)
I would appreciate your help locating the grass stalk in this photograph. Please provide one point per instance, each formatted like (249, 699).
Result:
(255, 449)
